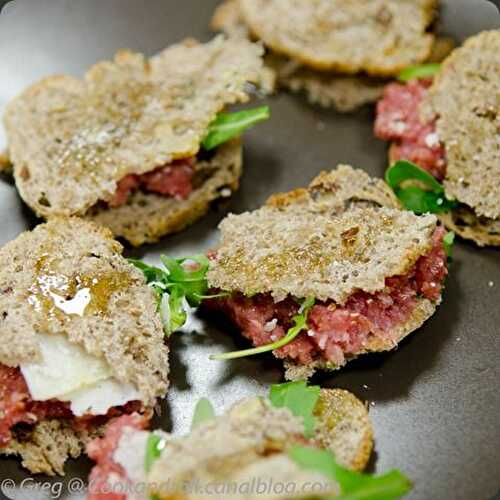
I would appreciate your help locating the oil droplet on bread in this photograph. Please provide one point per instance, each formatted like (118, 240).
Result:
(59, 295)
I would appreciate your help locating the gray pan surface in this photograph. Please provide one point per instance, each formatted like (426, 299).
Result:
(435, 401)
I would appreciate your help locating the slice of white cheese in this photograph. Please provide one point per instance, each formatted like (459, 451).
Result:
(64, 368)
(100, 397)
(67, 372)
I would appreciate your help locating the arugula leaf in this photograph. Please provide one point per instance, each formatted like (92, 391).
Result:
(415, 198)
(353, 485)
(203, 411)
(300, 399)
(181, 285)
(229, 125)
(154, 447)
(420, 71)
(300, 323)
(448, 240)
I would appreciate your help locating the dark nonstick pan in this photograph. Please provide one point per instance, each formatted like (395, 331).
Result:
(435, 401)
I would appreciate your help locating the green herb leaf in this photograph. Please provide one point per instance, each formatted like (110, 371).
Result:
(182, 284)
(300, 323)
(448, 240)
(418, 72)
(353, 485)
(154, 447)
(203, 411)
(300, 399)
(415, 198)
(229, 125)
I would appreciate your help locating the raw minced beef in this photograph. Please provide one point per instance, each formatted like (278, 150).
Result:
(336, 331)
(108, 479)
(173, 180)
(17, 406)
(398, 120)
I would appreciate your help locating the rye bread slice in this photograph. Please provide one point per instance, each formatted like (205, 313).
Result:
(46, 448)
(333, 90)
(380, 38)
(465, 222)
(146, 217)
(252, 438)
(465, 100)
(345, 93)
(119, 324)
(326, 242)
(72, 140)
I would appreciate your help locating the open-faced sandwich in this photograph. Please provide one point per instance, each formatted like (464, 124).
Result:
(139, 145)
(81, 342)
(448, 124)
(319, 276)
(301, 442)
(339, 53)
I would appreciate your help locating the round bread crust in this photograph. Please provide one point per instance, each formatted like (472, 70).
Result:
(340, 237)
(120, 324)
(253, 437)
(72, 140)
(379, 37)
(50, 444)
(465, 100)
(464, 222)
(146, 217)
(344, 427)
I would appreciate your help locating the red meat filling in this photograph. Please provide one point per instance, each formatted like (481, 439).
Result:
(17, 406)
(339, 331)
(173, 180)
(107, 472)
(398, 120)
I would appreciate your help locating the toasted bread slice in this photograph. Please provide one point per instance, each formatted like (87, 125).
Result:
(317, 257)
(379, 38)
(119, 323)
(344, 234)
(465, 99)
(72, 140)
(252, 440)
(227, 18)
(46, 448)
(464, 221)
(147, 216)
(344, 427)
(342, 92)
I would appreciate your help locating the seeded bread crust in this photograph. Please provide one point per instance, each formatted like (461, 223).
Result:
(380, 38)
(147, 217)
(72, 140)
(252, 438)
(49, 445)
(465, 99)
(120, 324)
(326, 242)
